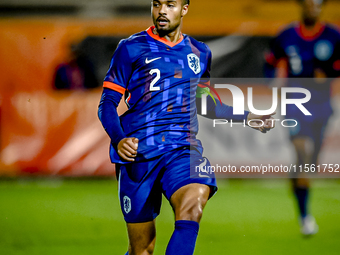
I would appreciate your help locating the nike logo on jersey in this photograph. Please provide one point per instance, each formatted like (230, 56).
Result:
(148, 61)
(201, 169)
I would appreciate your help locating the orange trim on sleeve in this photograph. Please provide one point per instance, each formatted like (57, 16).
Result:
(113, 86)
(270, 58)
(204, 84)
(336, 65)
(282, 68)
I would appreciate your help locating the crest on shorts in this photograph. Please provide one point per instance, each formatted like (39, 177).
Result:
(194, 63)
(127, 204)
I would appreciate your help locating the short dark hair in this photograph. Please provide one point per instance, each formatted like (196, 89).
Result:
(186, 2)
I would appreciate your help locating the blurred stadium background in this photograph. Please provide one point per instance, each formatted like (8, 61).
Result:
(58, 194)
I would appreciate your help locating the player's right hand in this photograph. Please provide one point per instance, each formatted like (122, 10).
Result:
(127, 148)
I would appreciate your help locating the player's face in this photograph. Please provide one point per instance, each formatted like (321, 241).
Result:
(311, 9)
(167, 15)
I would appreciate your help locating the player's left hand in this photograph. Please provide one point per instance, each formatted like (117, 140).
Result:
(262, 123)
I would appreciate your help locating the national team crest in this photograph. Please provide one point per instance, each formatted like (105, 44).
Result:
(194, 63)
(323, 50)
(127, 204)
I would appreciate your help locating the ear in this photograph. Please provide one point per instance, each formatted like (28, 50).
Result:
(185, 9)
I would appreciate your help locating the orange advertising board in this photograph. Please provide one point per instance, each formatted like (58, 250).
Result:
(53, 133)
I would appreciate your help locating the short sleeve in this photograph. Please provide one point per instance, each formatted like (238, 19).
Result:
(120, 71)
(275, 57)
(276, 48)
(336, 60)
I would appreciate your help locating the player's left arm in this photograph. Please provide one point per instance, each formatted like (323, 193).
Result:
(276, 61)
(215, 108)
(263, 123)
(219, 110)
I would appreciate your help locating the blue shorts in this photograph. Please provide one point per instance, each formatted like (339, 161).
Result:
(141, 184)
(312, 126)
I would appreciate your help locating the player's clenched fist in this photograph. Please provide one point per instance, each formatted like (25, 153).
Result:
(127, 148)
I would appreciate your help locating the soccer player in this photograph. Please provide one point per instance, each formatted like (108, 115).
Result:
(76, 73)
(154, 143)
(307, 49)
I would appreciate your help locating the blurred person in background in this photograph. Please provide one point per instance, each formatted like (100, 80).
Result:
(76, 73)
(307, 49)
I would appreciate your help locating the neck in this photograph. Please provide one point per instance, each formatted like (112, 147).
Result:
(173, 36)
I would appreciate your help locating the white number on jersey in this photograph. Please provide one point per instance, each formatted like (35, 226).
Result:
(153, 82)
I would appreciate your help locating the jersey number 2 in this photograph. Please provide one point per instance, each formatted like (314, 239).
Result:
(153, 82)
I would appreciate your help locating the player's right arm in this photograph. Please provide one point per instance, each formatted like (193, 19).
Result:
(276, 61)
(126, 147)
(115, 84)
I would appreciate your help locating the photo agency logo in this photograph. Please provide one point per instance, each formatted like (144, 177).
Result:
(239, 104)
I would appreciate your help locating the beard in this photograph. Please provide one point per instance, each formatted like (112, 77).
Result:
(166, 28)
(162, 30)
(309, 21)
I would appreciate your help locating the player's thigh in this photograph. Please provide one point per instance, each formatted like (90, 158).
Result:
(320, 128)
(302, 134)
(309, 127)
(185, 188)
(304, 145)
(142, 237)
(140, 193)
(181, 169)
(303, 129)
(189, 201)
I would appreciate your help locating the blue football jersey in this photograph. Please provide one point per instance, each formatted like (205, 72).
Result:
(159, 80)
(309, 54)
